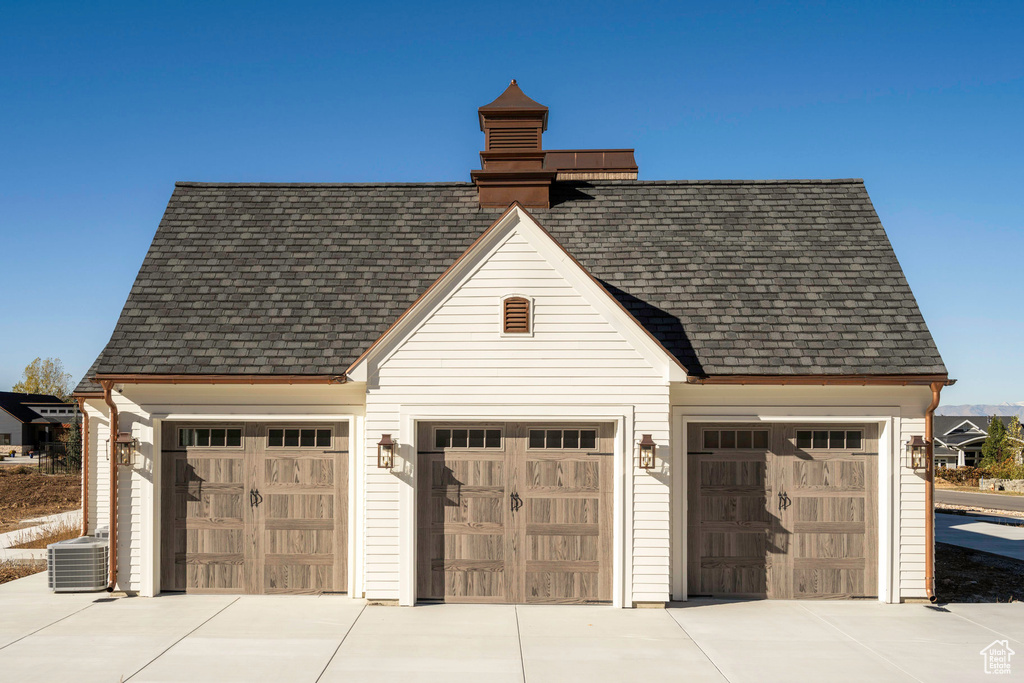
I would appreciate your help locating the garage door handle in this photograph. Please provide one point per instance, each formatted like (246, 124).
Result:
(255, 498)
(517, 502)
(784, 501)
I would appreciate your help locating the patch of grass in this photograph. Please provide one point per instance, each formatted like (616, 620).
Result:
(64, 531)
(9, 571)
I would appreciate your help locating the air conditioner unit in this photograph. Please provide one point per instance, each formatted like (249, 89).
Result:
(102, 532)
(77, 565)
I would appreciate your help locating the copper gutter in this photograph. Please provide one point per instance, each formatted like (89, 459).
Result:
(929, 493)
(85, 467)
(822, 380)
(139, 378)
(108, 385)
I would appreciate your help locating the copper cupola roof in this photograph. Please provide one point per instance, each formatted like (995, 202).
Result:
(514, 101)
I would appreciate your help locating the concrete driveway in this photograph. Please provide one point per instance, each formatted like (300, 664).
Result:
(46, 637)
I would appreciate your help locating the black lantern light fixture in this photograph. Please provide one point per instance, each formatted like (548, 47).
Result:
(647, 447)
(125, 447)
(917, 452)
(385, 452)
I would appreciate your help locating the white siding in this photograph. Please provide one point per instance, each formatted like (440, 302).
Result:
(575, 358)
(97, 462)
(912, 516)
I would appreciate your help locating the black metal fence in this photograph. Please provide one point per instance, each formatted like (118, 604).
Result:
(59, 458)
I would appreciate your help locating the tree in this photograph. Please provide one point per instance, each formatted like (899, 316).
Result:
(994, 449)
(1014, 440)
(45, 377)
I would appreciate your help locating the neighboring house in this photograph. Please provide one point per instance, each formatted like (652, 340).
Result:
(959, 438)
(554, 384)
(28, 422)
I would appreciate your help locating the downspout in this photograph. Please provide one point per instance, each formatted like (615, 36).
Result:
(85, 467)
(112, 443)
(929, 490)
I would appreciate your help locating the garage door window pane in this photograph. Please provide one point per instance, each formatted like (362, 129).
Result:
(291, 438)
(217, 437)
(554, 438)
(323, 438)
(202, 437)
(820, 439)
(536, 438)
(743, 439)
(476, 438)
(837, 439)
(460, 438)
(803, 439)
(728, 439)
(184, 437)
(588, 438)
(760, 439)
(275, 438)
(853, 440)
(234, 438)
(442, 438)
(571, 438)
(711, 438)
(493, 438)
(307, 438)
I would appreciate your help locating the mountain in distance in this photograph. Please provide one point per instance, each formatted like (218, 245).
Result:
(983, 410)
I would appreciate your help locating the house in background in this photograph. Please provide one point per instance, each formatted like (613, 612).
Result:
(28, 422)
(554, 384)
(959, 438)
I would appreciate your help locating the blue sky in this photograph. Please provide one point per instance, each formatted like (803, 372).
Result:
(104, 105)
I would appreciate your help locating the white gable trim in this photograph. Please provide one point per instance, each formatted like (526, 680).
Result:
(516, 220)
(965, 422)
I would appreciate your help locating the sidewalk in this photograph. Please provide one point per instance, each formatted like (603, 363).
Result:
(42, 526)
(981, 533)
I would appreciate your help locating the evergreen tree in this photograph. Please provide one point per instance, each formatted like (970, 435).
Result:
(1014, 440)
(994, 449)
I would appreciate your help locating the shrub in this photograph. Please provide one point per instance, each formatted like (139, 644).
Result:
(962, 476)
(1006, 469)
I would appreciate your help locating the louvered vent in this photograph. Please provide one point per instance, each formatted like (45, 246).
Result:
(517, 315)
(513, 138)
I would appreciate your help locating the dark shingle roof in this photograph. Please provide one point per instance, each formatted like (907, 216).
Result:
(16, 404)
(733, 277)
(86, 385)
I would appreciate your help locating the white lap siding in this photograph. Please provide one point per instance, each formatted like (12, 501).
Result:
(575, 361)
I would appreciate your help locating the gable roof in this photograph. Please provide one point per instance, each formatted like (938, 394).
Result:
(959, 430)
(517, 219)
(17, 404)
(731, 277)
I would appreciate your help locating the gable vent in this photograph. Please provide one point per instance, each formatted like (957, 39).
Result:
(517, 315)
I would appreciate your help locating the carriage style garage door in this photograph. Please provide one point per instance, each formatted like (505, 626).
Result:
(514, 513)
(782, 511)
(254, 508)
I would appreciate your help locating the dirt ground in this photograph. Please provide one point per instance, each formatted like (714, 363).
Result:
(25, 493)
(965, 575)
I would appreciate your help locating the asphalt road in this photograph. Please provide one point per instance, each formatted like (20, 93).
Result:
(993, 501)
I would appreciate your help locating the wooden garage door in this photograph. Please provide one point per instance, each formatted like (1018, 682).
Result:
(254, 508)
(782, 511)
(515, 513)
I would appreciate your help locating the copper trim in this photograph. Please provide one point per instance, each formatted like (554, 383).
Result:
(108, 386)
(854, 380)
(85, 466)
(929, 494)
(145, 378)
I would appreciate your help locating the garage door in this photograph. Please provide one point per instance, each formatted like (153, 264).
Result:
(254, 508)
(782, 511)
(514, 513)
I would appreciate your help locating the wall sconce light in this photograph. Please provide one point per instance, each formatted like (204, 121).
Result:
(647, 447)
(385, 452)
(917, 452)
(125, 447)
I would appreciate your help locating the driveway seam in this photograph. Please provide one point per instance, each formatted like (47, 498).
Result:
(987, 628)
(340, 643)
(167, 649)
(694, 641)
(519, 636)
(863, 645)
(91, 604)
